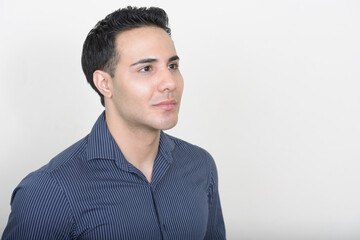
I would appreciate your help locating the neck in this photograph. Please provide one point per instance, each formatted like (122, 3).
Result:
(139, 145)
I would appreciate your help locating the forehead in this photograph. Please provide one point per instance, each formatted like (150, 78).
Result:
(144, 42)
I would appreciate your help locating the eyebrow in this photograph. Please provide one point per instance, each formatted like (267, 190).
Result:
(149, 60)
(173, 58)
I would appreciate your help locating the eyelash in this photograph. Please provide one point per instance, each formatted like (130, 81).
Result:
(176, 66)
(143, 69)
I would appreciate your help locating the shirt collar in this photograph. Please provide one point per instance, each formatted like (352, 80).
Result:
(166, 146)
(101, 145)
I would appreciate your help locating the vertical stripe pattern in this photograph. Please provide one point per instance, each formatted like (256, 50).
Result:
(90, 191)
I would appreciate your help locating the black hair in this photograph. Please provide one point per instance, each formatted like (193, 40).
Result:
(99, 50)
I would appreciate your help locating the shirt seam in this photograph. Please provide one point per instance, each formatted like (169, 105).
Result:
(67, 199)
(211, 182)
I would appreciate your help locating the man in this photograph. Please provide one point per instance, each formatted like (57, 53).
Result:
(127, 179)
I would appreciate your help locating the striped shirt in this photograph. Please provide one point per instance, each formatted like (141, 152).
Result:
(90, 191)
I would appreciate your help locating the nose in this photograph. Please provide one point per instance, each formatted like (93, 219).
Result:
(167, 80)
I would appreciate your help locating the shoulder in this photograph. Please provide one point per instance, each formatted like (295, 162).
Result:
(41, 185)
(195, 157)
(74, 152)
(189, 147)
(44, 174)
(194, 152)
(34, 199)
(33, 214)
(42, 180)
(34, 186)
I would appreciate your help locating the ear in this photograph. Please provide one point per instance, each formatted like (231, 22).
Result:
(103, 83)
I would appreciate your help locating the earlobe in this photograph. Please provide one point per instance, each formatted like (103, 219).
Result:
(102, 81)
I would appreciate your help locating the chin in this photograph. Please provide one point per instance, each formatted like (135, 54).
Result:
(166, 125)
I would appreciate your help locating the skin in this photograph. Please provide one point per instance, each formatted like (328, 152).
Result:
(144, 95)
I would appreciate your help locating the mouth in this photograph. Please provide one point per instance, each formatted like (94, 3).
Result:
(166, 105)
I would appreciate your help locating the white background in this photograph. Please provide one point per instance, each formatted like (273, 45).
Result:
(271, 91)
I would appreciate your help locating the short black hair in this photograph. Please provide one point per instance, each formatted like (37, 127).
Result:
(99, 49)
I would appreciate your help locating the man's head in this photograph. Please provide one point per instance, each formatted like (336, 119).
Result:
(99, 49)
(131, 61)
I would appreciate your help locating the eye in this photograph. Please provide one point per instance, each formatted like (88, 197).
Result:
(145, 69)
(173, 66)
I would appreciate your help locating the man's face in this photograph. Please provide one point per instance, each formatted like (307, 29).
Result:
(147, 84)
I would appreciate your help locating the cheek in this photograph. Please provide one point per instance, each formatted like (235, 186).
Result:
(180, 87)
(138, 92)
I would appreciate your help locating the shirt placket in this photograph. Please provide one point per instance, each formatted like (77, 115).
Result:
(160, 168)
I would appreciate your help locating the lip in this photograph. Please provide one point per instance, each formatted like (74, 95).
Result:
(166, 105)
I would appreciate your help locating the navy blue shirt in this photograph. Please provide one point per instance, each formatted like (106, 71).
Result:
(90, 191)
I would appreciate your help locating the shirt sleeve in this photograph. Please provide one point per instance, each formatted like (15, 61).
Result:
(39, 210)
(216, 227)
